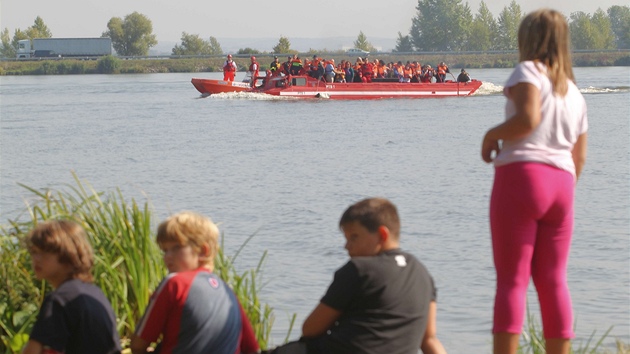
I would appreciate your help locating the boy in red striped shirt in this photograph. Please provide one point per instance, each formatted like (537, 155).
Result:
(193, 310)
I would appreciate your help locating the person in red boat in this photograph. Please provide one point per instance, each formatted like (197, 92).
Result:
(229, 69)
(442, 69)
(367, 71)
(253, 71)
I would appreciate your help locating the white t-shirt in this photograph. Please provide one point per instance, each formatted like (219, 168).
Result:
(563, 120)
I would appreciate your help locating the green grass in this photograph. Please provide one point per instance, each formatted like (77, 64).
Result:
(128, 264)
(533, 341)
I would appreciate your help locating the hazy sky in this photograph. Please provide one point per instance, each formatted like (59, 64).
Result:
(248, 18)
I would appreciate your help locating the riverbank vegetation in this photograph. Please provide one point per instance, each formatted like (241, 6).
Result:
(115, 65)
(128, 266)
(437, 26)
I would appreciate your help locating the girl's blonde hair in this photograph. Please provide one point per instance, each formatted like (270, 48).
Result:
(69, 242)
(544, 37)
(190, 228)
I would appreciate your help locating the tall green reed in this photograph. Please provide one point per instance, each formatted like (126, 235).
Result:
(128, 265)
(533, 341)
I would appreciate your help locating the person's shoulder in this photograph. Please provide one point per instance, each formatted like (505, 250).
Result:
(76, 286)
(531, 67)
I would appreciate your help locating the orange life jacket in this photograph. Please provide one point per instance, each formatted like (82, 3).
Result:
(380, 70)
(408, 72)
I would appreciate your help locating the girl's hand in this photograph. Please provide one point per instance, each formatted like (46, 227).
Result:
(488, 145)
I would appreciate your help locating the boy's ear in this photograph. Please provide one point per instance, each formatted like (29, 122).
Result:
(383, 232)
(205, 250)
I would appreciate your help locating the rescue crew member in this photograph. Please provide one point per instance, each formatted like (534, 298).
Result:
(296, 65)
(253, 71)
(229, 69)
(275, 66)
(442, 69)
(286, 66)
(463, 76)
(367, 71)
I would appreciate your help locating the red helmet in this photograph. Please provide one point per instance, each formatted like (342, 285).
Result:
(253, 58)
(229, 55)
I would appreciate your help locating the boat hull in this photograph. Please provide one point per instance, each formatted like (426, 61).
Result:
(307, 87)
(375, 90)
(210, 86)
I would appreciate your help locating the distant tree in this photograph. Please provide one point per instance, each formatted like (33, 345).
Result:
(403, 44)
(440, 25)
(591, 32)
(620, 22)
(131, 36)
(604, 36)
(248, 51)
(18, 35)
(483, 31)
(509, 20)
(38, 29)
(363, 44)
(581, 30)
(10, 46)
(215, 47)
(7, 50)
(283, 46)
(192, 44)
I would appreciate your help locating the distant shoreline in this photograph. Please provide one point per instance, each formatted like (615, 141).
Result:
(166, 64)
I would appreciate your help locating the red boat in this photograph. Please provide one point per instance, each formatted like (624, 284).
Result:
(208, 86)
(308, 87)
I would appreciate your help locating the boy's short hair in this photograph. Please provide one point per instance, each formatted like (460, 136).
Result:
(68, 241)
(190, 228)
(372, 213)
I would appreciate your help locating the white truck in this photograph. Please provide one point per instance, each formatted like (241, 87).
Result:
(64, 47)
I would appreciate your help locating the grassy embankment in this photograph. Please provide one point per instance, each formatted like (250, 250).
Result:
(110, 65)
(128, 266)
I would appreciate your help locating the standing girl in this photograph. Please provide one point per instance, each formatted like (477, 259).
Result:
(538, 154)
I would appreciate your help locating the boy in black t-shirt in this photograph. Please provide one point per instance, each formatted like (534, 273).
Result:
(75, 318)
(382, 300)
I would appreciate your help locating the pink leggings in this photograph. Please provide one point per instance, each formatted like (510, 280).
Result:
(531, 219)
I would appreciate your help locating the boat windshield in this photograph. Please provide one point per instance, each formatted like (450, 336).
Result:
(298, 81)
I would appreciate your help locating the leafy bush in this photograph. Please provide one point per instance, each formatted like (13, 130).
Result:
(107, 65)
(623, 61)
(127, 265)
(77, 68)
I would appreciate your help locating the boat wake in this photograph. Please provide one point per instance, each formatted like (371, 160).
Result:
(596, 90)
(488, 88)
(247, 96)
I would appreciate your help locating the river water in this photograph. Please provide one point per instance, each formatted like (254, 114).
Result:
(285, 170)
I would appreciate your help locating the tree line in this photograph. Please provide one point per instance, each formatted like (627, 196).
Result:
(439, 25)
(449, 25)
